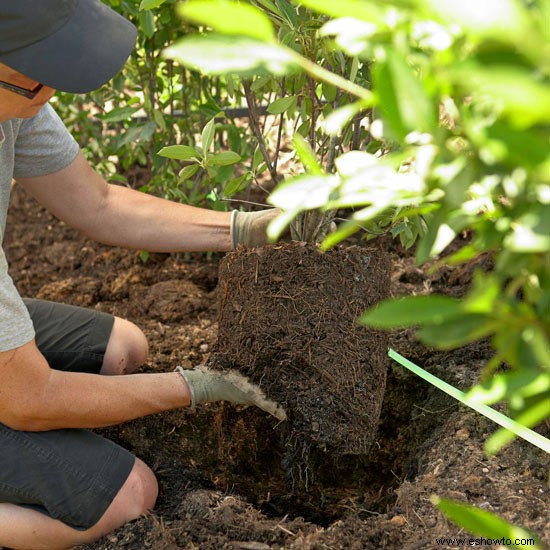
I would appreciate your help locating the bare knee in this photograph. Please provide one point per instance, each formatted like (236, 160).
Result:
(140, 491)
(29, 529)
(127, 348)
(137, 496)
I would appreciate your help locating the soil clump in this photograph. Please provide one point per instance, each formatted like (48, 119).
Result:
(288, 322)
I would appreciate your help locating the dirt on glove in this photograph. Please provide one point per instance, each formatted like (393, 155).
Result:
(288, 321)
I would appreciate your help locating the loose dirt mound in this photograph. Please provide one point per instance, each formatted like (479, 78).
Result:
(212, 494)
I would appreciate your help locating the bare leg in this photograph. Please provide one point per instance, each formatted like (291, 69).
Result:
(21, 528)
(127, 349)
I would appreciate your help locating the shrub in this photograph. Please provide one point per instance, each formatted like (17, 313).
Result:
(457, 105)
(461, 104)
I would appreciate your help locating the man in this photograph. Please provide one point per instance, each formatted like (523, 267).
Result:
(61, 485)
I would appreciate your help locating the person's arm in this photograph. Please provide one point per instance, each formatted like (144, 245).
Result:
(117, 215)
(34, 397)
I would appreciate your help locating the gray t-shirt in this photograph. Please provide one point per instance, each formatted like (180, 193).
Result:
(28, 147)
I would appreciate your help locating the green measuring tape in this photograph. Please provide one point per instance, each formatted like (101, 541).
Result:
(502, 420)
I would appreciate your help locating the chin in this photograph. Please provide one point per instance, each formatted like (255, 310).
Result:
(31, 110)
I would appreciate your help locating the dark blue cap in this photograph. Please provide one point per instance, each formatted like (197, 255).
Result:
(70, 45)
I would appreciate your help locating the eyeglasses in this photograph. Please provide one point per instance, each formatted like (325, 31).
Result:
(29, 94)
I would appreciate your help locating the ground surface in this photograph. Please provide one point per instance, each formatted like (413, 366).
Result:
(209, 497)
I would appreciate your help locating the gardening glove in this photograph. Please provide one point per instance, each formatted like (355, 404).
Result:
(250, 228)
(207, 386)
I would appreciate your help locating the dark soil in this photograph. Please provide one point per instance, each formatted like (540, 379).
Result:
(220, 485)
(288, 322)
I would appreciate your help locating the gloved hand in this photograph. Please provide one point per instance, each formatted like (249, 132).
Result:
(250, 228)
(207, 386)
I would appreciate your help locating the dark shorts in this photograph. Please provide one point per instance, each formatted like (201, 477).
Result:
(70, 475)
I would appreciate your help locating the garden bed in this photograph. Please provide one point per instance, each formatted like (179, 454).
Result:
(211, 496)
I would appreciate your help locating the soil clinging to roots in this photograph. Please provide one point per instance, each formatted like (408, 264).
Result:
(288, 321)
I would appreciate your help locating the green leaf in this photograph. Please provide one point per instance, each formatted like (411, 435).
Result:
(335, 122)
(207, 135)
(502, 386)
(354, 162)
(224, 159)
(403, 101)
(235, 185)
(368, 181)
(218, 54)
(276, 228)
(229, 18)
(411, 311)
(147, 23)
(407, 233)
(150, 4)
(354, 69)
(533, 345)
(304, 128)
(144, 256)
(505, 20)
(531, 232)
(484, 523)
(303, 192)
(268, 4)
(307, 155)
(351, 34)
(537, 339)
(288, 12)
(358, 9)
(458, 331)
(523, 147)
(282, 104)
(484, 295)
(210, 108)
(118, 114)
(329, 91)
(345, 230)
(139, 134)
(158, 117)
(188, 172)
(442, 230)
(531, 416)
(457, 186)
(257, 159)
(179, 152)
(516, 91)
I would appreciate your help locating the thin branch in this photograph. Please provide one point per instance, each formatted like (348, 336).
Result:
(252, 203)
(331, 154)
(251, 102)
(313, 118)
(280, 132)
(356, 141)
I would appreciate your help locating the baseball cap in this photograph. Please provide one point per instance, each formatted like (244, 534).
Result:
(70, 45)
